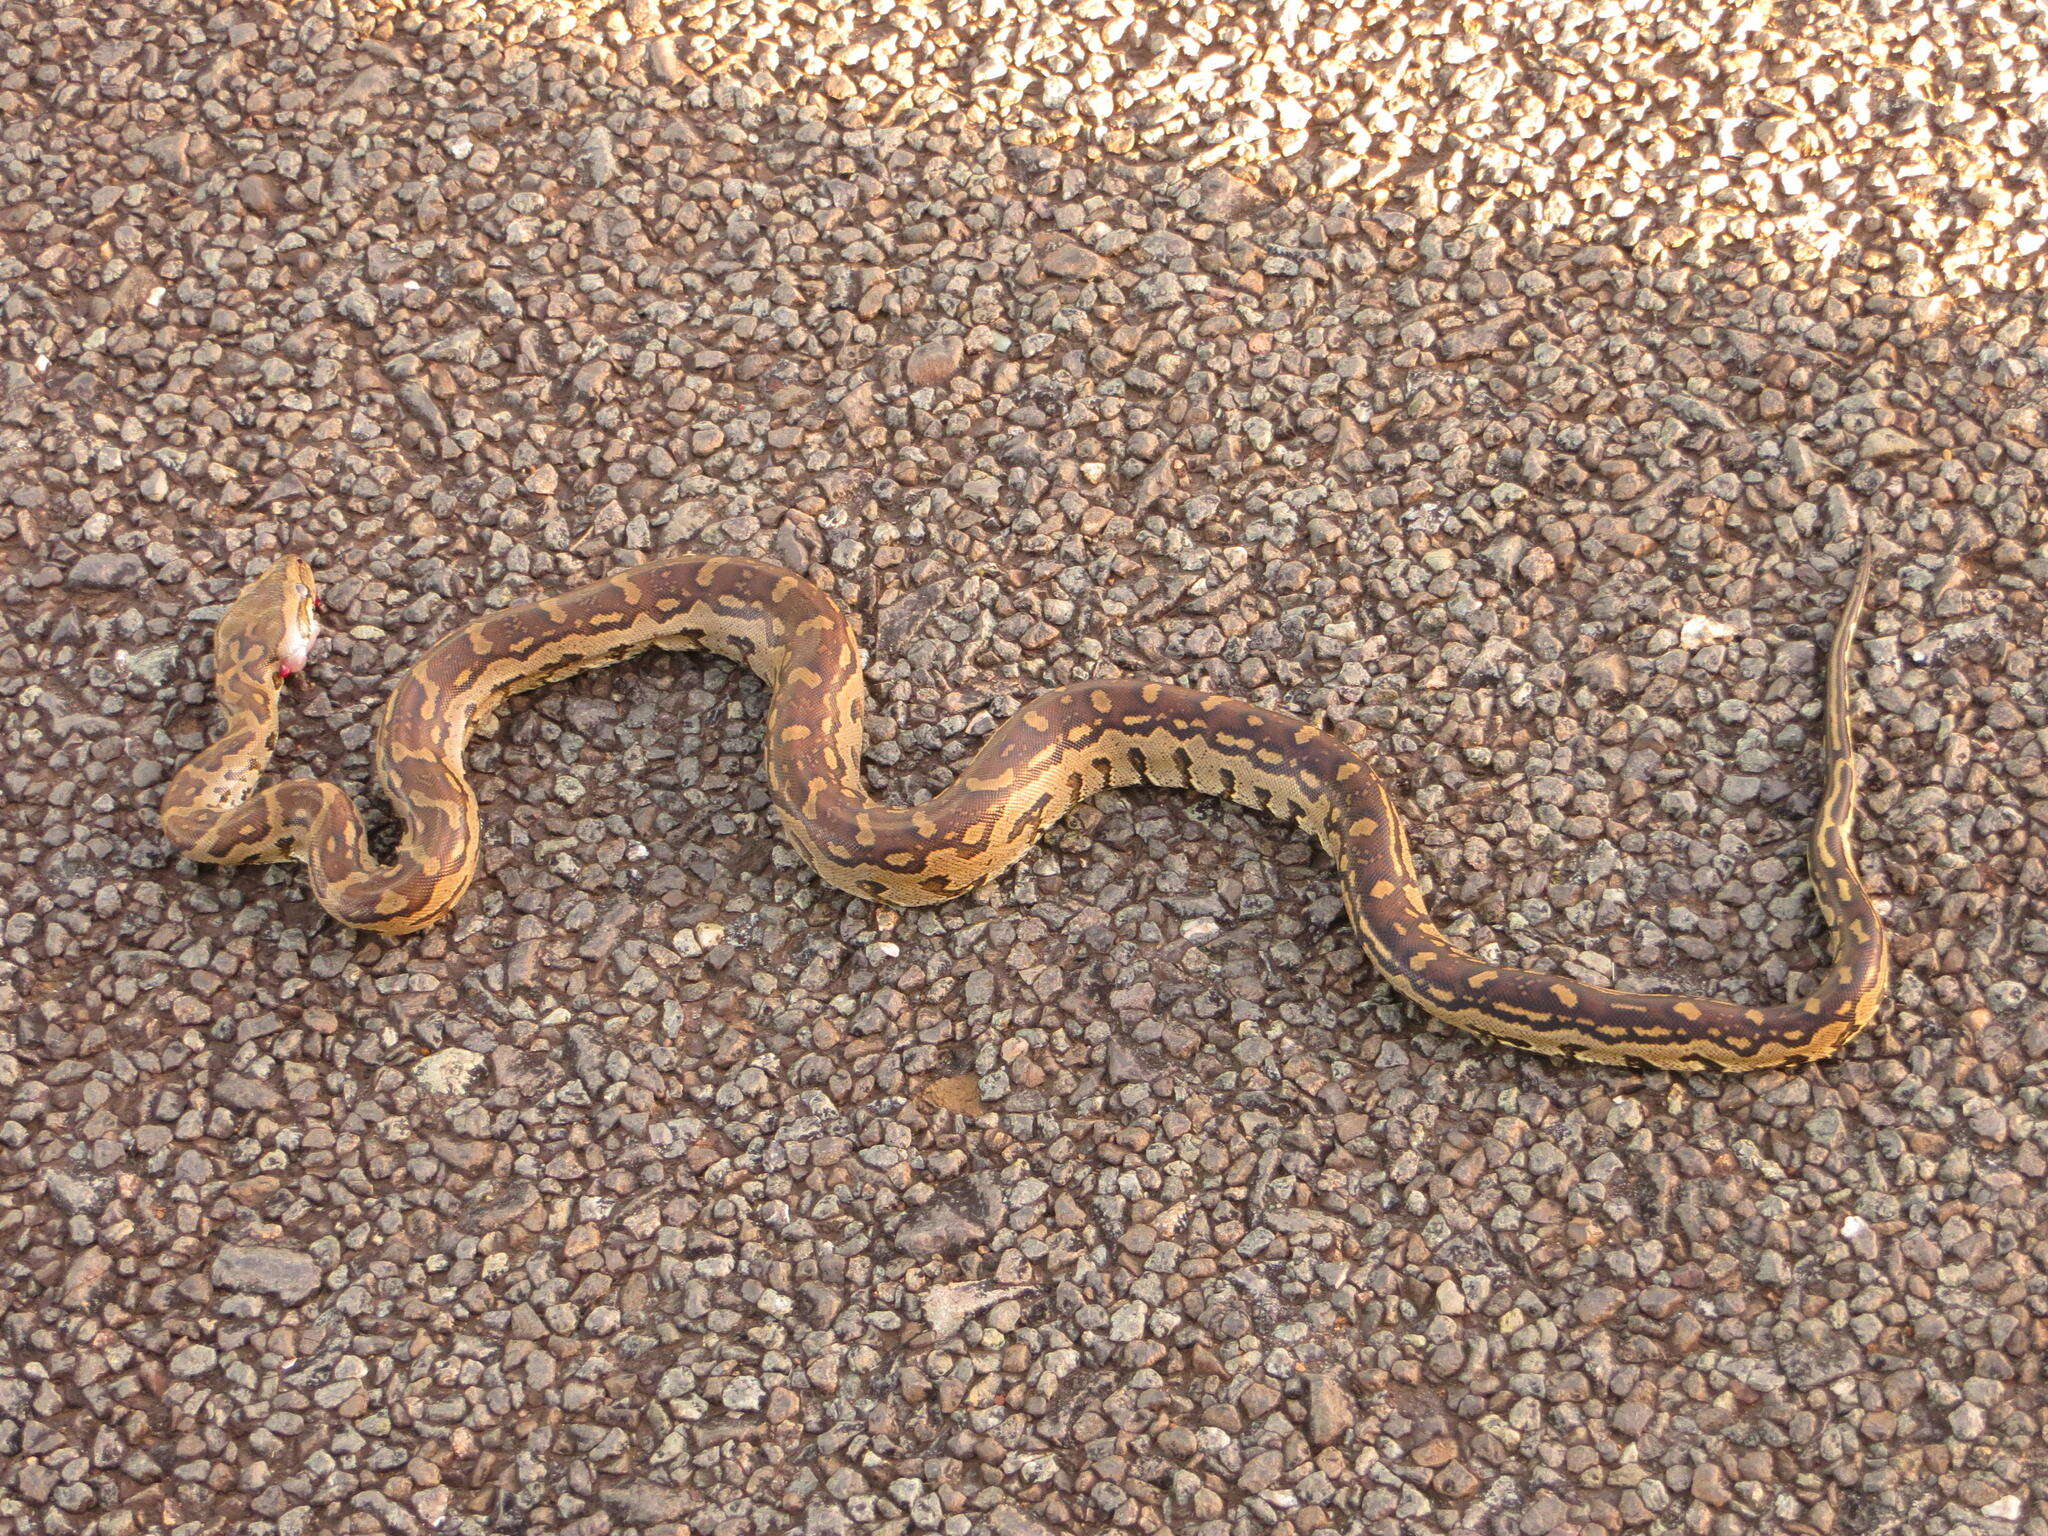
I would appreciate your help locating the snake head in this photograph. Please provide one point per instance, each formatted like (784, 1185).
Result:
(275, 612)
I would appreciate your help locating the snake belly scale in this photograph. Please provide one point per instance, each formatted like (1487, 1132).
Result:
(1054, 752)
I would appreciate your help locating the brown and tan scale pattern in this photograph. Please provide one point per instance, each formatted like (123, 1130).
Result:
(1056, 751)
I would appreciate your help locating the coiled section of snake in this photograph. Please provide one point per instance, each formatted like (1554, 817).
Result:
(1054, 752)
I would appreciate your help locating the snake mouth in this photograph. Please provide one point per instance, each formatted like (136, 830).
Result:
(301, 629)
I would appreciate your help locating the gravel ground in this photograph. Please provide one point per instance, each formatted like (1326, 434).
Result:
(1516, 391)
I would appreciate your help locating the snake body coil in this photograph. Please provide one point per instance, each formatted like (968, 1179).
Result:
(1053, 753)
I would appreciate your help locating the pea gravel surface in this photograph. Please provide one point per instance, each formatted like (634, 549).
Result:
(1513, 387)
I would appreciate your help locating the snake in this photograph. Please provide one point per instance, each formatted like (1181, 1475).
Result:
(1035, 766)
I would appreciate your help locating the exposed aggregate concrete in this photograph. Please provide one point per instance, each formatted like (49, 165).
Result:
(1513, 388)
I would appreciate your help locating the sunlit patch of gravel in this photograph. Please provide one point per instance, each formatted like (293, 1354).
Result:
(1918, 138)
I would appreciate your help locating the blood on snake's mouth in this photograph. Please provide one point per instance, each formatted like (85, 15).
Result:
(297, 645)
